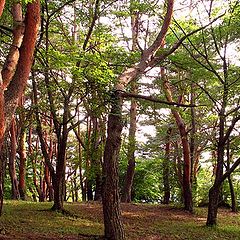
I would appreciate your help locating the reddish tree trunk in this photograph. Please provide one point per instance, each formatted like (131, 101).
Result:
(22, 164)
(166, 162)
(2, 4)
(18, 83)
(12, 160)
(128, 183)
(13, 55)
(187, 191)
(127, 189)
(9, 98)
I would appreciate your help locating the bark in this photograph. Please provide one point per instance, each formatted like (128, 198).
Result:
(166, 172)
(10, 97)
(12, 161)
(39, 187)
(22, 156)
(89, 175)
(231, 186)
(46, 151)
(213, 205)
(2, 115)
(95, 157)
(2, 4)
(59, 178)
(233, 195)
(214, 192)
(3, 158)
(192, 139)
(18, 83)
(13, 55)
(47, 178)
(128, 183)
(83, 189)
(111, 209)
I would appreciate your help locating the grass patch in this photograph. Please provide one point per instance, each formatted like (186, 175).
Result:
(29, 220)
(20, 217)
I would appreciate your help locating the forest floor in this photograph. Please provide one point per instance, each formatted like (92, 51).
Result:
(29, 220)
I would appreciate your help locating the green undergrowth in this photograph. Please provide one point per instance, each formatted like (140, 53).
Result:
(20, 217)
(29, 220)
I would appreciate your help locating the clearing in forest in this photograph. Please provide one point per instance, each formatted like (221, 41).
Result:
(29, 220)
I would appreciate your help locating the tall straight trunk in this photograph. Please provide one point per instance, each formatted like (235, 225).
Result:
(75, 187)
(96, 170)
(89, 180)
(39, 187)
(111, 209)
(214, 192)
(233, 195)
(59, 178)
(47, 178)
(3, 162)
(83, 188)
(187, 191)
(47, 173)
(231, 186)
(98, 188)
(192, 138)
(166, 172)
(128, 183)
(22, 162)
(12, 161)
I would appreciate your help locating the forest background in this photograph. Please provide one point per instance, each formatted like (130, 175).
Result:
(165, 72)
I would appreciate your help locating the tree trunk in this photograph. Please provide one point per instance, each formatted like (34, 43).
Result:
(231, 187)
(215, 189)
(22, 164)
(17, 85)
(166, 172)
(80, 143)
(3, 161)
(111, 209)
(2, 4)
(12, 161)
(39, 187)
(187, 191)
(233, 196)
(47, 178)
(128, 183)
(98, 188)
(9, 97)
(59, 178)
(110, 195)
(193, 155)
(213, 205)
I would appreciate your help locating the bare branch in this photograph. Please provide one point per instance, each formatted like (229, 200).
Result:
(153, 99)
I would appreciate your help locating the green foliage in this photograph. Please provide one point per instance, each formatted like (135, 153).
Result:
(147, 181)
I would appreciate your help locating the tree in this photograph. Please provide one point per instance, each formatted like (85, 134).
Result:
(112, 222)
(210, 51)
(11, 89)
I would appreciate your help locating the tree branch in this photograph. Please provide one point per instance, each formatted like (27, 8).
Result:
(153, 99)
